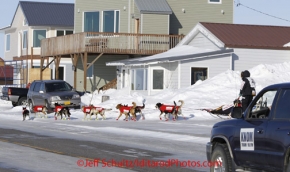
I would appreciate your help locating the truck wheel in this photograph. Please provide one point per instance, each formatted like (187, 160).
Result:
(22, 101)
(30, 104)
(288, 166)
(221, 159)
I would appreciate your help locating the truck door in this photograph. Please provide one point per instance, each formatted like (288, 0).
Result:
(249, 144)
(36, 95)
(278, 131)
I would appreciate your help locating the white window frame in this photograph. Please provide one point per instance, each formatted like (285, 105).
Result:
(6, 44)
(145, 80)
(26, 42)
(90, 77)
(40, 40)
(64, 30)
(25, 23)
(220, 2)
(153, 78)
(102, 21)
(54, 71)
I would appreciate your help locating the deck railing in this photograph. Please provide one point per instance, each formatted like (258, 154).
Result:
(115, 43)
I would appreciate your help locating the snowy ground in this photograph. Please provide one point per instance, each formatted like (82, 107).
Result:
(193, 131)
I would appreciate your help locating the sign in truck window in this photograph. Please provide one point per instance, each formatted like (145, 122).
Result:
(247, 138)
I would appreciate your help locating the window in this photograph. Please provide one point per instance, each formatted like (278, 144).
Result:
(38, 35)
(91, 21)
(24, 40)
(90, 71)
(63, 32)
(198, 74)
(7, 42)
(111, 21)
(139, 79)
(215, 1)
(25, 23)
(158, 79)
(262, 105)
(282, 111)
(37, 87)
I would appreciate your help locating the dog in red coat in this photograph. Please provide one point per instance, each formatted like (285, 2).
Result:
(170, 109)
(123, 110)
(93, 110)
(40, 109)
(60, 111)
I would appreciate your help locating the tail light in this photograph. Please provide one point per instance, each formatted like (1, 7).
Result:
(9, 91)
(239, 104)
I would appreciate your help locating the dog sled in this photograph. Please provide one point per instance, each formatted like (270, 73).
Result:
(224, 110)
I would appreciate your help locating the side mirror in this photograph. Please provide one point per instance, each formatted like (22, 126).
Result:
(237, 112)
(73, 89)
(41, 92)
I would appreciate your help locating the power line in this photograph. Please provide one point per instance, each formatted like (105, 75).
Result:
(239, 4)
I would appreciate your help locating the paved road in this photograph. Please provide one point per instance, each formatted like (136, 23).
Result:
(48, 145)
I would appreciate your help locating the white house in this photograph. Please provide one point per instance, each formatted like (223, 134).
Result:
(32, 22)
(207, 50)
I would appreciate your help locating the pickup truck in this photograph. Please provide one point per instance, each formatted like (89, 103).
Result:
(18, 96)
(259, 138)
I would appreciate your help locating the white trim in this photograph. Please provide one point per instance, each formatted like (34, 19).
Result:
(141, 24)
(22, 47)
(199, 28)
(129, 16)
(209, 1)
(102, 22)
(6, 35)
(168, 31)
(179, 75)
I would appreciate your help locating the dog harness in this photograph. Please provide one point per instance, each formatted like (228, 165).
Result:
(168, 108)
(125, 109)
(37, 108)
(57, 108)
(87, 109)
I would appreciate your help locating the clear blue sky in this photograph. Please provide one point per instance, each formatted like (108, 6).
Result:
(242, 13)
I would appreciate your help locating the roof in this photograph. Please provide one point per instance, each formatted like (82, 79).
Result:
(180, 53)
(48, 14)
(153, 7)
(250, 36)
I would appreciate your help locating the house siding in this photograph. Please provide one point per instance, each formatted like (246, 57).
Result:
(215, 65)
(93, 5)
(154, 24)
(244, 59)
(201, 41)
(197, 11)
(102, 74)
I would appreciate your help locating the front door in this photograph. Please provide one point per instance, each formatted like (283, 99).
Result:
(278, 132)
(250, 144)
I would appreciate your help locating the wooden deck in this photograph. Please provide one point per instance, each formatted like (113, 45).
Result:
(110, 43)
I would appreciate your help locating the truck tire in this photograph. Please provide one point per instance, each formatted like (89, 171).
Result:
(288, 166)
(22, 101)
(221, 159)
(30, 104)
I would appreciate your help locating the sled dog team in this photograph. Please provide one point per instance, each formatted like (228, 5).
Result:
(91, 110)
